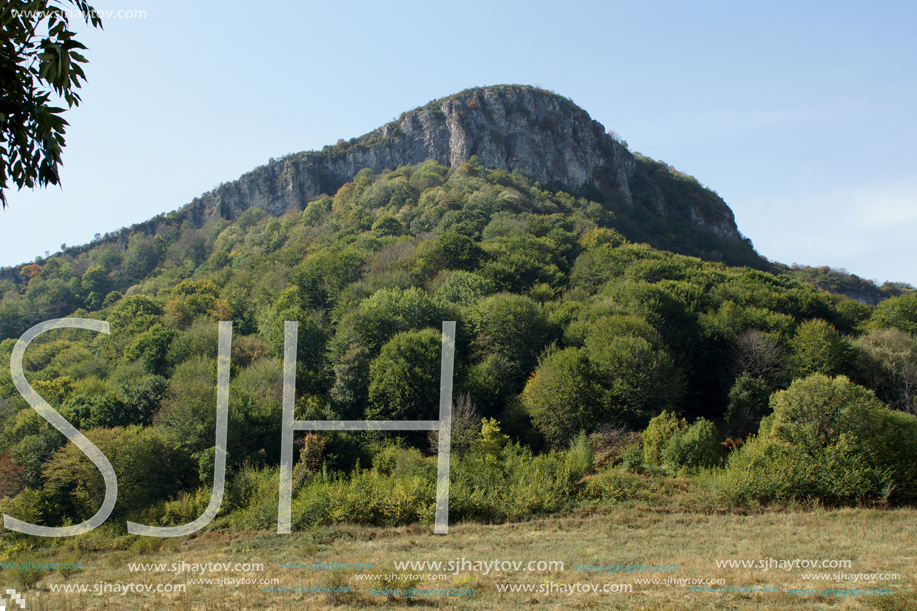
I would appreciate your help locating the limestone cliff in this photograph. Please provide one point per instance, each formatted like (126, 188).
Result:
(507, 127)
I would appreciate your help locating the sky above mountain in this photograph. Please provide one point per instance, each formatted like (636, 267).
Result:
(801, 118)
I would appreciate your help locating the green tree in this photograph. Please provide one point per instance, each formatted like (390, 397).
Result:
(897, 312)
(141, 257)
(199, 295)
(449, 251)
(464, 288)
(817, 347)
(255, 412)
(638, 378)
(188, 413)
(562, 396)
(404, 378)
(387, 225)
(143, 395)
(147, 466)
(32, 67)
(92, 410)
(152, 347)
(489, 383)
(95, 280)
(322, 276)
(819, 411)
(387, 312)
(133, 315)
(351, 372)
(514, 327)
(15, 317)
(49, 299)
(311, 339)
(491, 440)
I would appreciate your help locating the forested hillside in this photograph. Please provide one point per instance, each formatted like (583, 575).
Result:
(579, 353)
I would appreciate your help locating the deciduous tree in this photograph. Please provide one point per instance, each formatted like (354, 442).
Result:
(40, 56)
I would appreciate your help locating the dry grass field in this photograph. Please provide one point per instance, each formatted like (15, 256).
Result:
(874, 541)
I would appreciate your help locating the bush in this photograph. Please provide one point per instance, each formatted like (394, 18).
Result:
(697, 447)
(339, 591)
(254, 492)
(25, 579)
(148, 469)
(613, 485)
(610, 442)
(365, 497)
(828, 439)
(580, 459)
(25, 506)
(632, 456)
(657, 435)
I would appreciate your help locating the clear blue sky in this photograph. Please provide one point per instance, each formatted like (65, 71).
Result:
(802, 117)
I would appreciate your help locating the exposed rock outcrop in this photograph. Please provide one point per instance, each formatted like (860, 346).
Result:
(507, 127)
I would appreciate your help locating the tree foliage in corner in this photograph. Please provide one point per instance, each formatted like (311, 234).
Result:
(38, 55)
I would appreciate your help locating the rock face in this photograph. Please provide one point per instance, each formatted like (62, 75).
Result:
(506, 127)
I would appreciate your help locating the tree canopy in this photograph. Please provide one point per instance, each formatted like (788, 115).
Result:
(40, 56)
(564, 329)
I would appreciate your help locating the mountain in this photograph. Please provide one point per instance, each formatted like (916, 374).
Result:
(506, 210)
(510, 128)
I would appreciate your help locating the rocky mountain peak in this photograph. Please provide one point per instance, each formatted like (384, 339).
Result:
(508, 127)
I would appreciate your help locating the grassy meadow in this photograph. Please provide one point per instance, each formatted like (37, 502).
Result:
(691, 537)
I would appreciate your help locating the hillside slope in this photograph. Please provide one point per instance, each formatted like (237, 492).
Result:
(539, 133)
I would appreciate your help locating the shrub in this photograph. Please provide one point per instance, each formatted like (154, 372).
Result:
(339, 591)
(697, 447)
(491, 440)
(632, 456)
(25, 506)
(255, 493)
(365, 497)
(580, 459)
(466, 427)
(657, 435)
(610, 442)
(25, 579)
(613, 485)
(828, 439)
